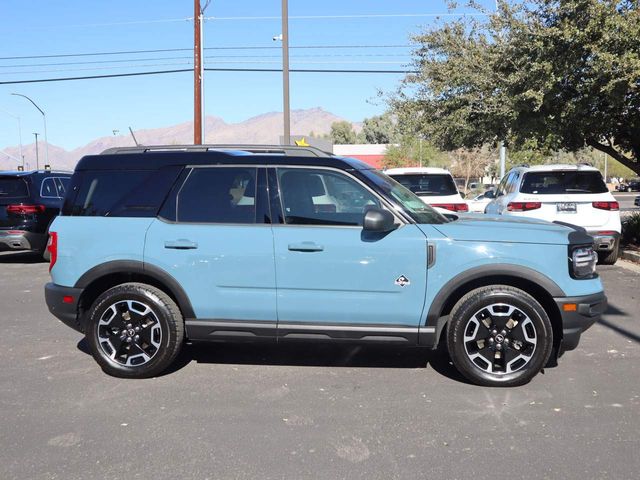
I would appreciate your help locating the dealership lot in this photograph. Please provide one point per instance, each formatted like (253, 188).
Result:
(251, 411)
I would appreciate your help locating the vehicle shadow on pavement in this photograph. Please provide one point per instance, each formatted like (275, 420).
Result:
(613, 311)
(318, 355)
(305, 355)
(21, 257)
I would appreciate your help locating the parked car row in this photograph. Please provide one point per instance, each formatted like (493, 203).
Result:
(631, 186)
(573, 194)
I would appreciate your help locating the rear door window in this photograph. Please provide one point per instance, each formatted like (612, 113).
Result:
(48, 189)
(218, 195)
(13, 187)
(428, 184)
(61, 184)
(563, 182)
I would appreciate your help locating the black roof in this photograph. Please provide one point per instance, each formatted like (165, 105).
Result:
(15, 173)
(143, 158)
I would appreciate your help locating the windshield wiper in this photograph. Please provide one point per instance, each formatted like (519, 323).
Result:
(584, 190)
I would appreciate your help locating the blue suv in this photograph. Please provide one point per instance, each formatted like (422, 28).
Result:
(158, 246)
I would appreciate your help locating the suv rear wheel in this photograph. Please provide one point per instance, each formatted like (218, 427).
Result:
(499, 336)
(609, 258)
(134, 330)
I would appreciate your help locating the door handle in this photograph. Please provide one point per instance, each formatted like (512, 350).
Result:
(180, 244)
(305, 247)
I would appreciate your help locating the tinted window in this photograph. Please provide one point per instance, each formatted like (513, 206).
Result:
(61, 183)
(428, 184)
(322, 197)
(48, 188)
(12, 187)
(218, 195)
(102, 191)
(562, 182)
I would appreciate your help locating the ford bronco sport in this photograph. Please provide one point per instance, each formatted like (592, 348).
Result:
(158, 246)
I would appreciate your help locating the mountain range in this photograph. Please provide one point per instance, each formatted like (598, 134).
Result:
(262, 129)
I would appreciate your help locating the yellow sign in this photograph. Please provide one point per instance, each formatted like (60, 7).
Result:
(302, 143)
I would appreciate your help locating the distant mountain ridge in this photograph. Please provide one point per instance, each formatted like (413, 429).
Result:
(265, 128)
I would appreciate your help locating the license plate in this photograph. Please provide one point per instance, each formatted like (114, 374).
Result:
(566, 207)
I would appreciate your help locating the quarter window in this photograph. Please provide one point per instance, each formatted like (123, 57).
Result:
(322, 197)
(218, 195)
(49, 188)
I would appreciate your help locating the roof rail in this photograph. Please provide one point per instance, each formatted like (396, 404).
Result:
(287, 150)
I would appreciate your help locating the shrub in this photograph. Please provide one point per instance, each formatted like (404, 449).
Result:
(631, 229)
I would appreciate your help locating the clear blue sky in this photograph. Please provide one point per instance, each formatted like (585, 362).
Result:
(79, 111)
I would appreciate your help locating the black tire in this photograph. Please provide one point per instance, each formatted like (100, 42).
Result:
(155, 323)
(608, 258)
(525, 346)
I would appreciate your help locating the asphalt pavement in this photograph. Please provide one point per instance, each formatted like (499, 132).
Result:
(267, 412)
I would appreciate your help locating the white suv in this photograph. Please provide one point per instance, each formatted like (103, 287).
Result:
(434, 186)
(574, 194)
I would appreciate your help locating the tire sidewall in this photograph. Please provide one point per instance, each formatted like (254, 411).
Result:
(519, 300)
(162, 313)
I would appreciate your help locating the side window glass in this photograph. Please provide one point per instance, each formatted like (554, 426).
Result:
(322, 197)
(61, 183)
(513, 183)
(218, 195)
(501, 186)
(49, 188)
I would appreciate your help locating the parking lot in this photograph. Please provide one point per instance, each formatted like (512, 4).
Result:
(251, 411)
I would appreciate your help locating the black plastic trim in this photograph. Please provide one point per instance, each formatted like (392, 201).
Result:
(137, 267)
(66, 312)
(590, 309)
(516, 271)
(217, 330)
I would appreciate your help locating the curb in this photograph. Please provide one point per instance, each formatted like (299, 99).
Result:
(630, 256)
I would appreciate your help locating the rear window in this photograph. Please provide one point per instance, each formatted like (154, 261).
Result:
(103, 191)
(563, 182)
(12, 187)
(438, 184)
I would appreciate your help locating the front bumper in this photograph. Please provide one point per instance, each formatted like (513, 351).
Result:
(575, 320)
(63, 304)
(604, 243)
(21, 240)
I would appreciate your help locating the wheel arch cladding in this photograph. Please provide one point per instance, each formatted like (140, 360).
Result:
(107, 275)
(540, 287)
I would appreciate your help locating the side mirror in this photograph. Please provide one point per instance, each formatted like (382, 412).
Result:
(489, 194)
(378, 220)
(463, 195)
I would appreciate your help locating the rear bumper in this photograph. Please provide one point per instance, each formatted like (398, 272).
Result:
(588, 310)
(604, 243)
(21, 240)
(66, 311)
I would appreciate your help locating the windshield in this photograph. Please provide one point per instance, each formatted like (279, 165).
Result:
(428, 184)
(12, 187)
(408, 201)
(563, 182)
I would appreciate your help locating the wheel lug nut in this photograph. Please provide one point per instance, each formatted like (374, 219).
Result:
(129, 339)
(498, 347)
(137, 329)
(136, 338)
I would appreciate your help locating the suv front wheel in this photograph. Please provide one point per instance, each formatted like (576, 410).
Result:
(134, 330)
(499, 335)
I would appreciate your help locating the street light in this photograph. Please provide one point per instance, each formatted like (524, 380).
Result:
(37, 162)
(44, 118)
(19, 133)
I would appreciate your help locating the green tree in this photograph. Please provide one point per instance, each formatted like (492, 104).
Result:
(411, 152)
(342, 133)
(379, 129)
(564, 74)
(470, 163)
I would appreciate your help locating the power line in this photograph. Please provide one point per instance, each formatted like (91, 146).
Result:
(165, 50)
(366, 15)
(210, 69)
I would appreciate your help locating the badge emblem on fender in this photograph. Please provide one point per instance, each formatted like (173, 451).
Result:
(402, 281)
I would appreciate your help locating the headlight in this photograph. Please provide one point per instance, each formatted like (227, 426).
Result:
(583, 262)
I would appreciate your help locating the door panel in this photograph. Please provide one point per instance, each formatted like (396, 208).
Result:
(345, 277)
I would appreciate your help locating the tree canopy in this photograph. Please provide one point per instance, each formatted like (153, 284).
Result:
(563, 74)
(342, 133)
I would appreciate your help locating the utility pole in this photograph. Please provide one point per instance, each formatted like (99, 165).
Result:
(503, 159)
(197, 74)
(285, 72)
(37, 158)
(44, 119)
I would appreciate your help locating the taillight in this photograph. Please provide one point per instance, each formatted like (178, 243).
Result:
(523, 206)
(606, 205)
(454, 207)
(52, 248)
(25, 209)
